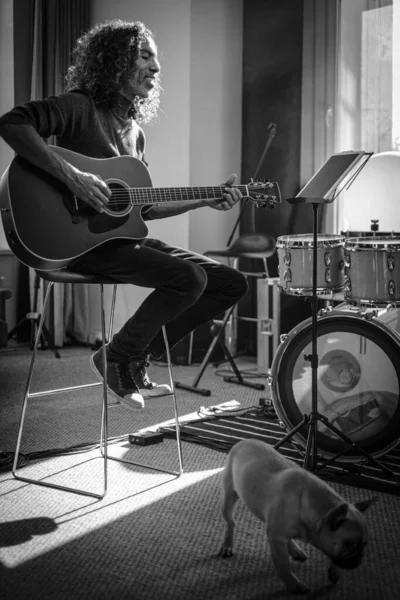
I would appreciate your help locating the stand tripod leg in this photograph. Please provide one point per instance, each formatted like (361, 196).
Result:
(193, 387)
(219, 331)
(15, 329)
(291, 433)
(352, 444)
(311, 447)
(238, 379)
(50, 341)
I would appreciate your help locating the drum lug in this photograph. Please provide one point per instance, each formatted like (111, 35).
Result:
(283, 337)
(328, 276)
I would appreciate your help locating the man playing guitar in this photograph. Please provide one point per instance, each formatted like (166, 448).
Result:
(112, 87)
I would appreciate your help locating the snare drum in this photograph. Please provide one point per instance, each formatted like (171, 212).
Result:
(372, 269)
(295, 254)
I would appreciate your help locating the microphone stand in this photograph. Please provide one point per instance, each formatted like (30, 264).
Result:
(311, 420)
(271, 136)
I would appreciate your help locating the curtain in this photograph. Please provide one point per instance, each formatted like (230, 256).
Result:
(56, 26)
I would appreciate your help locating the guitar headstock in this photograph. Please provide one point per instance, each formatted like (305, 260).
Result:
(264, 192)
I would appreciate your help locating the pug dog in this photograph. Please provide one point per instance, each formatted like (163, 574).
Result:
(294, 504)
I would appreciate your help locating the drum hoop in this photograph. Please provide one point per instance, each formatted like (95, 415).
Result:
(369, 244)
(374, 324)
(304, 291)
(298, 241)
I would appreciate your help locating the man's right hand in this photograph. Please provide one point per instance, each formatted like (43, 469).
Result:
(90, 189)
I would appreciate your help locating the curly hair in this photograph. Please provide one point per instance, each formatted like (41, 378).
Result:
(102, 58)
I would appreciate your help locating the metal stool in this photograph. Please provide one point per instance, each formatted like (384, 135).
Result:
(64, 276)
(241, 248)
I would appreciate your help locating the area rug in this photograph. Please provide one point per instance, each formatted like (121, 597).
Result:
(222, 432)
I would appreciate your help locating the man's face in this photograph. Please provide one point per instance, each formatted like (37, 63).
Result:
(141, 80)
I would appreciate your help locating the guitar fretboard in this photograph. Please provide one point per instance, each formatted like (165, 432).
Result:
(149, 195)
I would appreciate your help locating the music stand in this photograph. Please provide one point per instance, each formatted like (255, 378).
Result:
(338, 168)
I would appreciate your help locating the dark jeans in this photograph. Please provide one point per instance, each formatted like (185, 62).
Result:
(189, 290)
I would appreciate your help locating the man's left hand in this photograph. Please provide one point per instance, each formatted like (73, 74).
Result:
(231, 196)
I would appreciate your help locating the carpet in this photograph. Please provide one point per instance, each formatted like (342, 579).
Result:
(154, 536)
(222, 432)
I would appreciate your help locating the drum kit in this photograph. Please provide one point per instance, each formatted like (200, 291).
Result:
(356, 366)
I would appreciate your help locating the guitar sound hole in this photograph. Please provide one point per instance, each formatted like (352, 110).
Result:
(119, 201)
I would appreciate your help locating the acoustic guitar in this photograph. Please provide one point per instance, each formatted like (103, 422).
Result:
(47, 226)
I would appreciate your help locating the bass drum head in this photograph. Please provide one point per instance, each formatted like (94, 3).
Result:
(358, 384)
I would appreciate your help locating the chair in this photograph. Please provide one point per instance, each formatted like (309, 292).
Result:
(64, 276)
(255, 247)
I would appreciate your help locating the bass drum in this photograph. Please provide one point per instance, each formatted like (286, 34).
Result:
(358, 383)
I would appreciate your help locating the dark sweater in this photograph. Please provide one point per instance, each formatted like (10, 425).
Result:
(81, 126)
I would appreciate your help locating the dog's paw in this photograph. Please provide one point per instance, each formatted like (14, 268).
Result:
(225, 552)
(333, 574)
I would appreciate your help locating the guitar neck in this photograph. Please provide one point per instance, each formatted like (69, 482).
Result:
(150, 195)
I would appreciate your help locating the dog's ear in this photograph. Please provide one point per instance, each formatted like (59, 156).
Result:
(364, 504)
(335, 517)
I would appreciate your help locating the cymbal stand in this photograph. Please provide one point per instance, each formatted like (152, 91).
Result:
(217, 331)
(311, 420)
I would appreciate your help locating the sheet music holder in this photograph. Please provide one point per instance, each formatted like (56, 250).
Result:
(338, 168)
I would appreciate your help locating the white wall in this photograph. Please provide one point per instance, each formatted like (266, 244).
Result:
(7, 84)
(216, 111)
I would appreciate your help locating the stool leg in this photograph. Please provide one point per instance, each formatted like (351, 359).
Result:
(29, 381)
(104, 415)
(232, 324)
(114, 297)
(171, 379)
(177, 424)
(38, 394)
(265, 266)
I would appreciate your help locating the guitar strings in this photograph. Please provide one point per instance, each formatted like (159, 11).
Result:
(165, 193)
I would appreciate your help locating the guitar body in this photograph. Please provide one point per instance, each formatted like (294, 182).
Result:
(47, 227)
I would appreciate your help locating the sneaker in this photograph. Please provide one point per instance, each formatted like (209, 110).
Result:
(120, 382)
(148, 389)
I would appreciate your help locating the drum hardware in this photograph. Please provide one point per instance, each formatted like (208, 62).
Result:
(218, 331)
(311, 420)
